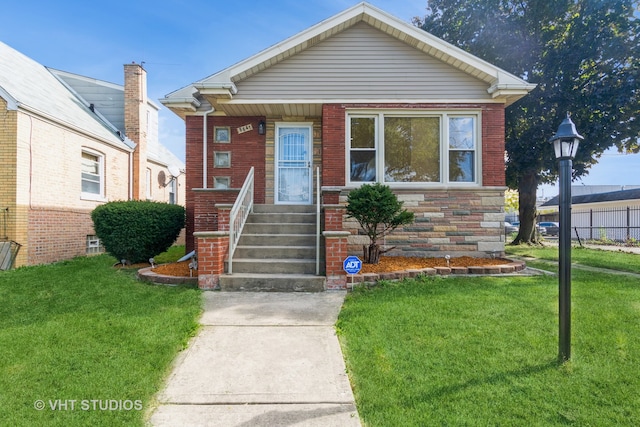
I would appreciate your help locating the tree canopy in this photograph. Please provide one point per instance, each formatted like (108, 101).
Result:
(584, 56)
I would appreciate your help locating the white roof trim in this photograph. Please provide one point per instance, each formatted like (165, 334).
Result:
(502, 83)
(12, 103)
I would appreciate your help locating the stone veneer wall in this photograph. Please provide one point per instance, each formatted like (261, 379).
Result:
(465, 222)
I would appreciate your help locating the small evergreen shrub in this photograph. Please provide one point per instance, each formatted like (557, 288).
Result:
(378, 211)
(137, 230)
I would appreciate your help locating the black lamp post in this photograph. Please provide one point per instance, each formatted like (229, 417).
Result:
(565, 142)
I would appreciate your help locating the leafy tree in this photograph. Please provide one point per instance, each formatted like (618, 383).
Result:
(584, 55)
(378, 211)
(511, 201)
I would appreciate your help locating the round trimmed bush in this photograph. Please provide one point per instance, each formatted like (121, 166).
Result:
(137, 230)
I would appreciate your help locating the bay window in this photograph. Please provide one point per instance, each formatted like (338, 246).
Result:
(412, 147)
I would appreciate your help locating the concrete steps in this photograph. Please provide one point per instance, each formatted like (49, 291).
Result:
(276, 252)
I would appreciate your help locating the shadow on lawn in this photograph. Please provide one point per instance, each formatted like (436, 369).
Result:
(501, 377)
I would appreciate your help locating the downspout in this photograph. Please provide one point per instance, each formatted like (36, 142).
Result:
(204, 146)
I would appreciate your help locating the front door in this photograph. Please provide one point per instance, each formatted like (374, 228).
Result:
(293, 164)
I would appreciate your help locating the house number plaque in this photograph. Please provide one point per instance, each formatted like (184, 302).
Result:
(245, 128)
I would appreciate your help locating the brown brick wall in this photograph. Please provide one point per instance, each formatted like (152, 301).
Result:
(493, 145)
(333, 136)
(57, 234)
(247, 149)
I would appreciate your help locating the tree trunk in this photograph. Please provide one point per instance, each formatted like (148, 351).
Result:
(371, 253)
(527, 188)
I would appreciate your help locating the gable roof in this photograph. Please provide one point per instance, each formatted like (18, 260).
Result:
(501, 85)
(26, 84)
(613, 196)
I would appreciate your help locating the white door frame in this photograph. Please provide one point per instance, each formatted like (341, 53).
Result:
(306, 193)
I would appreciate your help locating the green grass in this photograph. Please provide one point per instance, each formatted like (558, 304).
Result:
(82, 330)
(483, 351)
(615, 260)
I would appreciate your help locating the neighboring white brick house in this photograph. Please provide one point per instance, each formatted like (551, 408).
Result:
(68, 144)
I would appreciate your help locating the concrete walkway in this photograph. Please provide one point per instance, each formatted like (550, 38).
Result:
(261, 359)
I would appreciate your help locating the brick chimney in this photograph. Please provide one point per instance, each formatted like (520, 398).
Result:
(135, 123)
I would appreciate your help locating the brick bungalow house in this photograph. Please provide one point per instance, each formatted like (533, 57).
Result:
(360, 97)
(67, 144)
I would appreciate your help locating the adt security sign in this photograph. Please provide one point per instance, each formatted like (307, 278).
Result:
(352, 265)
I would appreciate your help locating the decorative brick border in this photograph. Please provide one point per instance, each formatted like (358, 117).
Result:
(146, 275)
(512, 267)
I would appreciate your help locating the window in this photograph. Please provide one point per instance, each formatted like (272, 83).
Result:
(172, 191)
(221, 159)
(221, 182)
(94, 245)
(408, 147)
(92, 175)
(462, 143)
(222, 134)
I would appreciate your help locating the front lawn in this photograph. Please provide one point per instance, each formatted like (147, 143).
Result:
(82, 343)
(615, 260)
(483, 351)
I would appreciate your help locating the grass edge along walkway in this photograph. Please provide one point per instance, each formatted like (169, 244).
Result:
(83, 343)
(482, 351)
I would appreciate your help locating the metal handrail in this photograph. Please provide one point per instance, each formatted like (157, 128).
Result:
(241, 209)
(317, 221)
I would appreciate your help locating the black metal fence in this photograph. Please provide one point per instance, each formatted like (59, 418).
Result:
(613, 224)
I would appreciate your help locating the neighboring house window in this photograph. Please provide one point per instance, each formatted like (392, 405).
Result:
(172, 191)
(406, 147)
(94, 245)
(92, 175)
(148, 176)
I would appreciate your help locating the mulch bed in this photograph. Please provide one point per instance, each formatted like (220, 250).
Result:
(390, 264)
(177, 269)
(387, 264)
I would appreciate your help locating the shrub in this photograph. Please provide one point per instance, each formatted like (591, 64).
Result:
(137, 230)
(378, 211)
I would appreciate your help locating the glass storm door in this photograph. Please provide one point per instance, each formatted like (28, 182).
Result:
(293, 165)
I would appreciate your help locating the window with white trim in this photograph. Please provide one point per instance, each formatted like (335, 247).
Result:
(412, 147)
(92, 175)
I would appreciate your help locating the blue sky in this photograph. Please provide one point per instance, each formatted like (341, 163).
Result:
(182, 42)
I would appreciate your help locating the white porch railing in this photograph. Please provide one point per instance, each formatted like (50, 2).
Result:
(238, 216)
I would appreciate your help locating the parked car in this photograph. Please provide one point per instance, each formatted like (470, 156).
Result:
(510, 228)
(553, 228)
(539, 228)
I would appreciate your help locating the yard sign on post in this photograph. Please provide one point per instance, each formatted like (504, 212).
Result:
(352, 265)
